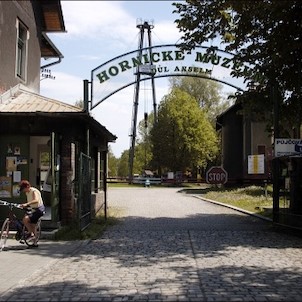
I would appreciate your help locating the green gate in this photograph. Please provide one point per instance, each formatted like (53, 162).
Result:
(84, 200)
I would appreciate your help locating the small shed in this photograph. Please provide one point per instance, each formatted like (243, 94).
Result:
(39, 134)
(242, 139)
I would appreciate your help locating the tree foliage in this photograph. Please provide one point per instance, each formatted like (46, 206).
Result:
(206, 92)
(143, 153)
(123, 167)
(182, 138)
(211, 105)
(141, 160)
(264, 34)
(112, 163)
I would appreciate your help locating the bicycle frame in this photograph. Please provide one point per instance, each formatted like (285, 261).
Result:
(22, 234)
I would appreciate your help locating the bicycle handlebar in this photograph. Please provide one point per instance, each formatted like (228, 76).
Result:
(6, 203)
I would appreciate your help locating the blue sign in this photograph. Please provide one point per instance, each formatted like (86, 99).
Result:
(298, 148)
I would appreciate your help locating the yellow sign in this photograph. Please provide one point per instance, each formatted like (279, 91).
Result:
(256, 164)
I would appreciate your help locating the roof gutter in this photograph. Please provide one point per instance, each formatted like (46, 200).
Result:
(50, 64)
(54, 49)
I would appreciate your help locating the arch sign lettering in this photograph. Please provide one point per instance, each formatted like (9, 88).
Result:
(163, 61)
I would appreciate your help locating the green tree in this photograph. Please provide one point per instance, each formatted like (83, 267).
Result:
(143, 149)
(263, 34)
(138, 164)
(142, 158)
(182, 138)
(123, 167)
(113, 163)
(206, 92)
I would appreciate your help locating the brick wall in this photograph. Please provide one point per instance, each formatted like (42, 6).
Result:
(68, 209)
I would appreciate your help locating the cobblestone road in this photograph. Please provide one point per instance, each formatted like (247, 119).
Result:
(171, 246)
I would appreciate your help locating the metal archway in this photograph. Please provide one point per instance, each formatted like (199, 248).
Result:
(149, 63)
(167, 60)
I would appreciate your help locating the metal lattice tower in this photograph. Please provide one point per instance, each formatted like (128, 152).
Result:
(145, 29)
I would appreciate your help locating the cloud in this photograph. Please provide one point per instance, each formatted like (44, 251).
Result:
(96, 19)
(88, 57)
(110, 21)
(65, 88)
(166, 33)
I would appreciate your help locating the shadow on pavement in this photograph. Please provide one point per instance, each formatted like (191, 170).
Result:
(197, 258)
(220, 283)
(50, 249)
(225, 229)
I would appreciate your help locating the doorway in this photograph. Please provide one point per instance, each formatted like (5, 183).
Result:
(40, 163)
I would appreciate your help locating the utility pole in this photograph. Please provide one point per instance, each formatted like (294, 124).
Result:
(145, 28)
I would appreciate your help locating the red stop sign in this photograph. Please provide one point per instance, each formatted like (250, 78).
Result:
(216, 175)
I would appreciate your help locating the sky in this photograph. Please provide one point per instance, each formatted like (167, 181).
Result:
(98, 31)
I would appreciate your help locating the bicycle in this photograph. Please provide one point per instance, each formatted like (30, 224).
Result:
(22, 235)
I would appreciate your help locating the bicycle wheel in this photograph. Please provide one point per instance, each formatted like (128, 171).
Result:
(4, 233)
(30, 241)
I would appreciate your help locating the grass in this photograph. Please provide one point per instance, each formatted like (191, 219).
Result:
(255, 199)
(93, 231)
(124, 185)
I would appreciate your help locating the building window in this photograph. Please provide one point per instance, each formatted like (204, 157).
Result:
(21, 50)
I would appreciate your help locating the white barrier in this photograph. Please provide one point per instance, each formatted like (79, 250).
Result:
(142, 180)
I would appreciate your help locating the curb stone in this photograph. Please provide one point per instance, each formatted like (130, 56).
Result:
(234, 208)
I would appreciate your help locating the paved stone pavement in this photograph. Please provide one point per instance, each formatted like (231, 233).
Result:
(171, 246)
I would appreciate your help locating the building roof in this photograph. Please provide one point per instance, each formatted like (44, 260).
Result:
(52, 15)
(20, 102)
(20, 99)
(219, 119)
(51, 11)
(52, 21)
(48, 49)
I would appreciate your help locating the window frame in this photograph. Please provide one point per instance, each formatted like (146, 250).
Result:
(22, 38)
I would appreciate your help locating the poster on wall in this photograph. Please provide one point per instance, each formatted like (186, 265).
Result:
(21, 160)
(11, 163)
(256, 164)
(17, 150)
(5, 186)
(16, 190)
(17, 176)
